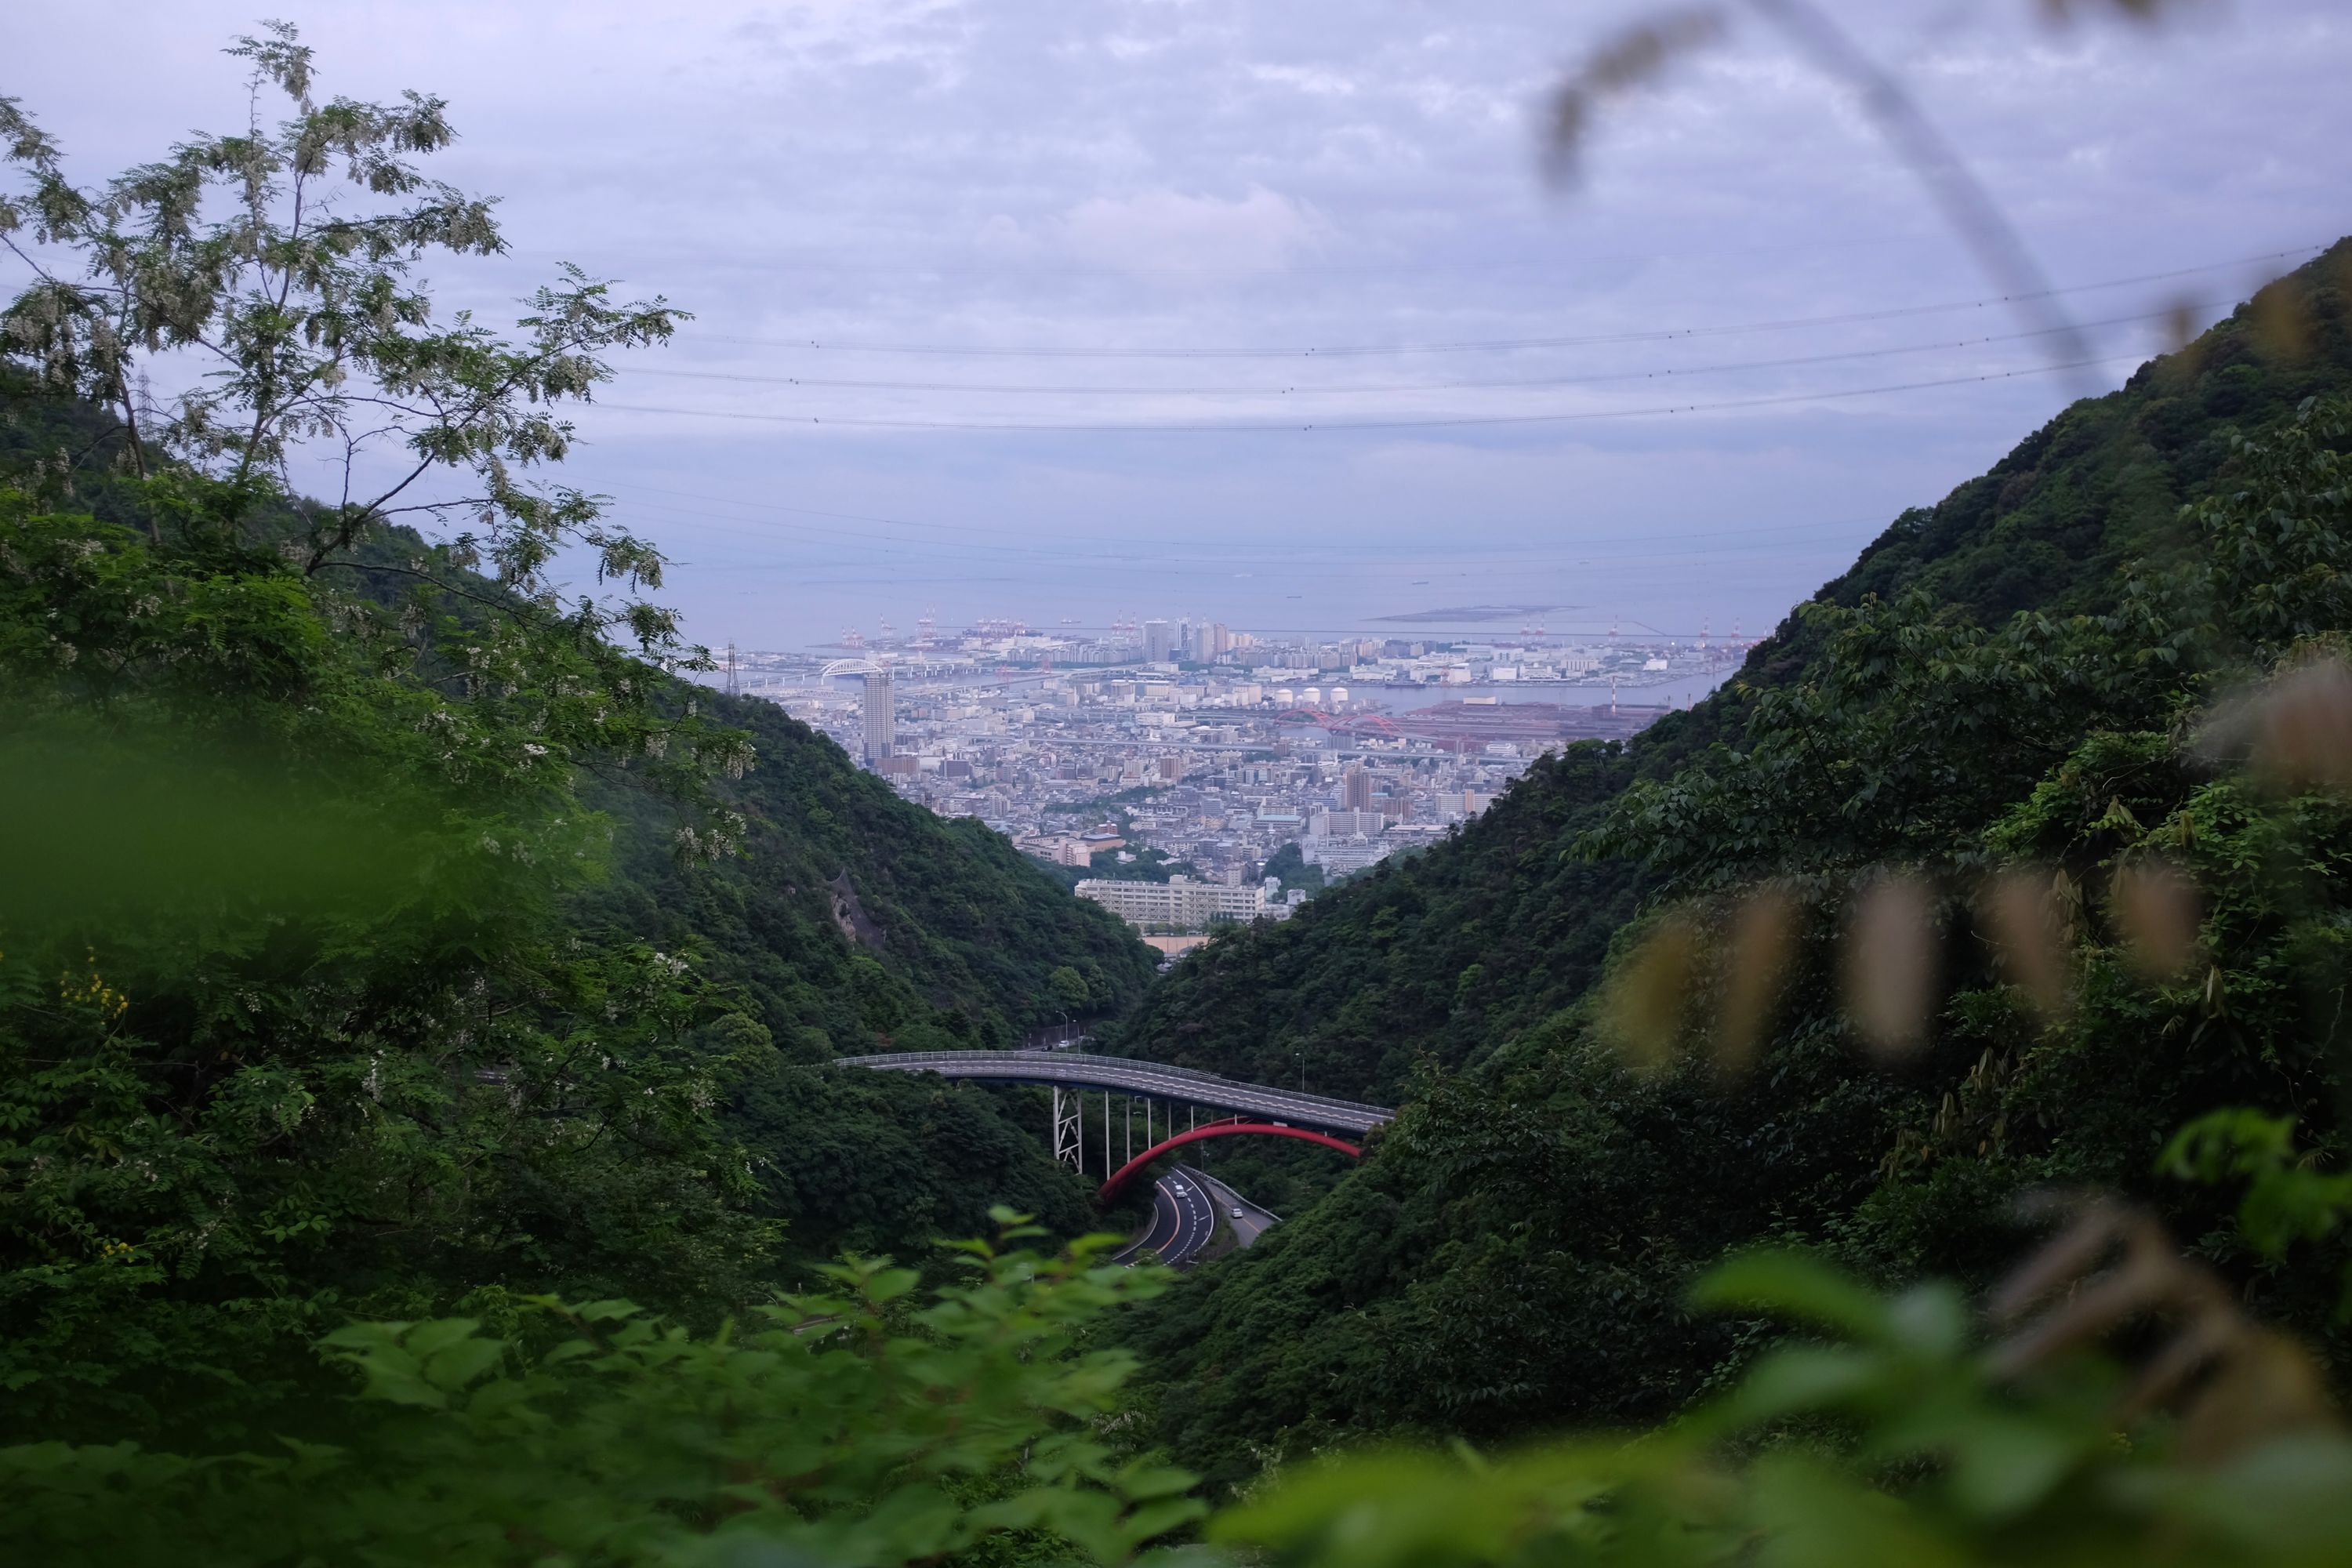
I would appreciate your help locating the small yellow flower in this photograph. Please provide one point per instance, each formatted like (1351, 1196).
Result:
(93, 991)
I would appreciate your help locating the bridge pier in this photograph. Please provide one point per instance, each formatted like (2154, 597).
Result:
(1155, 1126)
(1067, 1149)
(1071, 1074)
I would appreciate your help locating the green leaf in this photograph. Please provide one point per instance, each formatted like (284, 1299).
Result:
(454, 1366)
(1811, 1518)
(2002, 1466)
(1142, 1481)
(1792, 1285)
(604, 1312)
(1800, 1380)
(426, 1338)
(1156, 1519)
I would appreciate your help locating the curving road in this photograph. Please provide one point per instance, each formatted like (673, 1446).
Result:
(1183, 1219)
(1127, 1075)
(1254, 1221)
(1186, 1205)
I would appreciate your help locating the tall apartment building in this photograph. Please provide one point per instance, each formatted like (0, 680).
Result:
(1159, 642)
(1357, 787)
(881, 718)
(1179, 902)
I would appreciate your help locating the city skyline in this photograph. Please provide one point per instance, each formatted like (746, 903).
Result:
(1204, 637)
(1185, 773)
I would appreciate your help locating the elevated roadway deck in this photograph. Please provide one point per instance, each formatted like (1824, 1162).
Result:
(1126, 1074)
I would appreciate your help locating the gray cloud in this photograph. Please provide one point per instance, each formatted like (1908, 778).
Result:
(1215, 178)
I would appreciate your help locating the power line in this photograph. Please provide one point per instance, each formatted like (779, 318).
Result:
(1566, 554)
(1792, 539)
(1492, 344)
(1095, 537)
(1458, 422)
(1563, 562)
(835, 260)
(1585, 380)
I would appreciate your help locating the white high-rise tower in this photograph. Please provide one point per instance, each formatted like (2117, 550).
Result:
(881, 718)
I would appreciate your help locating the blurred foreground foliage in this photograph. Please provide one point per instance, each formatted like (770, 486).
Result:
(1891, 1433)
(857, 1426)
(292, 1022)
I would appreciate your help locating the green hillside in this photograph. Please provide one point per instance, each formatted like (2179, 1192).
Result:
(945, 934)
(946, 937)
(389, 987)
(1379, 976)
(2002, 676)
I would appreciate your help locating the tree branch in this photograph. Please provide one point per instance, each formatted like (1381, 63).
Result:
(1968, 207)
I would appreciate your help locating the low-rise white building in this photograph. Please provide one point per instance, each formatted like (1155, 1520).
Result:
(1178, 902)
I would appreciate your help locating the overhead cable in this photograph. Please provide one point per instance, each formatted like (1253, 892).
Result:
(1591, 379)
(1661, 334)
(821, 422)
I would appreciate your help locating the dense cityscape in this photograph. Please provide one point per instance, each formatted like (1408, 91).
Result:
(1187, 774)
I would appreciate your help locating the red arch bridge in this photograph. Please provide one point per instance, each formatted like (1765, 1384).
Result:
(1156, 1092)
(1117, 1180)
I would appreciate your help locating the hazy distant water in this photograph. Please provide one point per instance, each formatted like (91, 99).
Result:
(1467, 597)
(1679, 692)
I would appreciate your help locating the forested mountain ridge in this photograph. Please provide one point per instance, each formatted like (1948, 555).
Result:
(1396, 966)
(1514, 1253)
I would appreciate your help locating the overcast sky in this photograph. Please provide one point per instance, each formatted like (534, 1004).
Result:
(985, 289)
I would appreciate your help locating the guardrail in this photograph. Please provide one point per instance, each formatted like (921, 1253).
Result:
(1136, 1075)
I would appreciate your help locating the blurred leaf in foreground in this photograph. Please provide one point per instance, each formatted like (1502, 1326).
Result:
(148, 824)
(1891, 964)
(1890, 1435)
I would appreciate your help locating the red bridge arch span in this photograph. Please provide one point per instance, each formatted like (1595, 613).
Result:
(1133, 1168)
